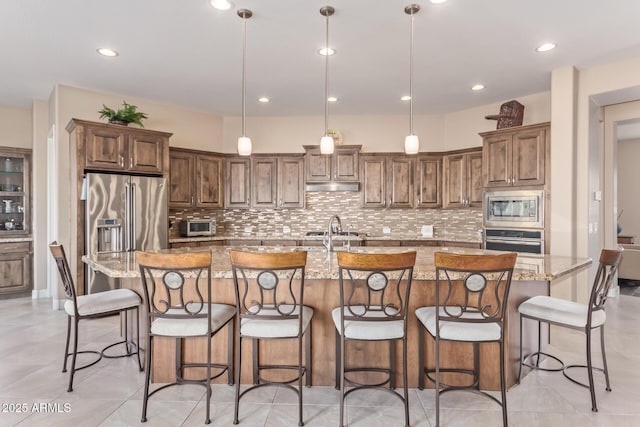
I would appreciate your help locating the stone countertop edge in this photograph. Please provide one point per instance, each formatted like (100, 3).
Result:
(528, 268)
(16, 239)
(248, 236)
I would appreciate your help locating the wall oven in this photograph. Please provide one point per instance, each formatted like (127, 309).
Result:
(514, 209)
(512, 240)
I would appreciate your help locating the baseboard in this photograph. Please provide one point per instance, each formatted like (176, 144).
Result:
(57, 304)
(40, 293)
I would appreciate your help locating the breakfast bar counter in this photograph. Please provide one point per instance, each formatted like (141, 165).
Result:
(532, 276)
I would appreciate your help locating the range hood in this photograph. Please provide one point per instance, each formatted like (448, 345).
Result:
(333, 186)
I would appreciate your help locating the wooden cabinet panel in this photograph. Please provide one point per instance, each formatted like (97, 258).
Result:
(146, 152)
(106, 148)
(291, 182)
(373, 194)
(346, 164)
(15, 269)
(429, 182)
(516, 157)
(181, 171)
(209, 181)
(463, 179)
(342, 165)
(318, 166)
(400, 182)
(264, 178)
(237, 179)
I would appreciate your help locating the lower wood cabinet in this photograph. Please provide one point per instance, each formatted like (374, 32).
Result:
(175, 245)
(15, 269)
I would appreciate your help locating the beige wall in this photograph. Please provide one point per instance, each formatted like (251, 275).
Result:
(628, 179)
(379, 133)
(16, 127)
(40, 111)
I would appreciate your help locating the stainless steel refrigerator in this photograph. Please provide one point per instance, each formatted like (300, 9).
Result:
(123, 213)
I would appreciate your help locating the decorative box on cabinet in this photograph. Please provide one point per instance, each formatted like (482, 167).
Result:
(463, 184)
(516, 157)
(196, 179)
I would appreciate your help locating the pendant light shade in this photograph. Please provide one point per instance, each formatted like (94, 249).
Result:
(326, 142)
(244, 142)
(411, 142)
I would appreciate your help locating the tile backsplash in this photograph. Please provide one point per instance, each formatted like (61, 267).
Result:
(321, 205)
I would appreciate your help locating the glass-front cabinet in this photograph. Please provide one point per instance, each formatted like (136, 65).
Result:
(15, 206)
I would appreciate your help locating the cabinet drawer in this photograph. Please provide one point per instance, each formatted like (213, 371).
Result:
(15, 247)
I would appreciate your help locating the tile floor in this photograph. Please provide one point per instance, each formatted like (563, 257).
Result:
(110, 393)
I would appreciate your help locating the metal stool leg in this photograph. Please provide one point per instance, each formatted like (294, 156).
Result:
(594, 406)
(230, 352)
(75, 353)
(147, 378)
(66, 347)
(238, 369)
(420, 357)
(338, 360)
(604, 359)
(503, 386)
(308, 356)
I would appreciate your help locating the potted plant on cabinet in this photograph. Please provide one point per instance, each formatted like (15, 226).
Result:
(123, 116)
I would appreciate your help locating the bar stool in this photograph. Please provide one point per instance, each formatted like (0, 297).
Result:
(470, 304)
(374, 297)
(573, 315)
(178, 297)
(269, 290)
(91, 306)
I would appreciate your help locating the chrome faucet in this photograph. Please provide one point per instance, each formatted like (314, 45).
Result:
(328, 238)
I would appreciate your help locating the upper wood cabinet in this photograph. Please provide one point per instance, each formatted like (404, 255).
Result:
(516, 156)
(277, 182)
(237, 182)
(463, 184)
(121, 149)
(196, 179)
(387, 181)
(342, 165)
(428, 181)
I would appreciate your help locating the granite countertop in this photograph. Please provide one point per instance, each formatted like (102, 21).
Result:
(16, 239)
(319, 266)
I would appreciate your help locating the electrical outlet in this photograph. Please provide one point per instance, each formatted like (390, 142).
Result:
(247, 229)
(286, 229)
(427, 231)
(386, 230)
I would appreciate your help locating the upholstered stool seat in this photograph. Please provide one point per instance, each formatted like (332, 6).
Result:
(458, 331)
(368, 329)
(103, 302)
(560, 311)
(274, 327)
(186, 327)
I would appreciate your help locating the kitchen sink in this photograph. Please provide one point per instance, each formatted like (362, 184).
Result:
(339, 233)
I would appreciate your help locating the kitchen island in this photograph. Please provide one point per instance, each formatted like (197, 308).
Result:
(533, 276)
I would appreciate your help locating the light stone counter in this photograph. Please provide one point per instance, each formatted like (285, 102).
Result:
(319, 266)
(16, 239)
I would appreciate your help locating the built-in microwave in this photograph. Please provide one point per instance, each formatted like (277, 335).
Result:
(197, 227)
(515, 209)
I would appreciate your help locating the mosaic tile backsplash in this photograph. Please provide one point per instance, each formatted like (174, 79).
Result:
(321, 205)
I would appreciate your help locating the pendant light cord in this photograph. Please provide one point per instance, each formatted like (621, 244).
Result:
(326, 80)
(411, 80)
(244, 71)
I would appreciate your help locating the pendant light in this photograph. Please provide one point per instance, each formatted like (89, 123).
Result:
(411, 141)
(326, 142)
(244, 142)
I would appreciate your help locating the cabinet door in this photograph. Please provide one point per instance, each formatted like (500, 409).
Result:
(455, 180)
(318, 166)
(106, 149)
(528, 157)
(475, 182)
(345, 164)
(291, 182)
(181, 171)
(264, 182)
(15, 268)
(146, 153)
(400, 182)
(209, 184)
(497, 162)
(429, 182)
(373, 193)
(237, 176)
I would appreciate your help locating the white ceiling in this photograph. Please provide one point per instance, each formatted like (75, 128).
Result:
(185, 53)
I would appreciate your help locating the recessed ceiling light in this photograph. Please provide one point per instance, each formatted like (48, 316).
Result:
(405, 98)
(106, 52)
(477, 87)
(438, 1)
(326, 51)
(221, 4)
(332, 99)
(264, 99)
(546, 47)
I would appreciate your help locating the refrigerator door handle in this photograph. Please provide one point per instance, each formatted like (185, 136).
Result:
(133, 216)
(127, 214)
